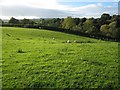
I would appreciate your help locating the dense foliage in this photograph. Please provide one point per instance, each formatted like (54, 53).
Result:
(106, 25)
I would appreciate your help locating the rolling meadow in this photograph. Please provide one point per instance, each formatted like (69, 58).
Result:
(37, 58)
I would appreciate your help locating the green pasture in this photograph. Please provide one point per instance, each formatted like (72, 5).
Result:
(36, 58)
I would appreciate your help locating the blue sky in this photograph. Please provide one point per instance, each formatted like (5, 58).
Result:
(77, 4)
(56, 8)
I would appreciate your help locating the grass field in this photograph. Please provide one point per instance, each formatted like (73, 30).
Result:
(33, 58)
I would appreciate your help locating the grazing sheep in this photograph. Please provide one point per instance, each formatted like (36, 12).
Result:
(68, 41)
(75, 41)
(53, 38)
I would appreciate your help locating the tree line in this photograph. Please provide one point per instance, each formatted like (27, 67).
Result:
(106, 26)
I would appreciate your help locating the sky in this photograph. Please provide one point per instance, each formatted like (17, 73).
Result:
(32, 9)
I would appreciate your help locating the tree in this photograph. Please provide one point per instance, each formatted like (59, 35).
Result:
(105, 30)
(68, 23)
(83, 20)
(58, 22)
(114, 18)
(97, 25)
(25, 21)
(113, 29)
(1, 22)
(105, 18)
(118, 21)
(13, 21)
(110, 30)
(88, 26)
(77, 20)
(54, 22)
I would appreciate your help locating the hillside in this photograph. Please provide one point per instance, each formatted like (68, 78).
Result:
(34, 58)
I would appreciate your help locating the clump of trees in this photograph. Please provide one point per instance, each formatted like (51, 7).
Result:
(68, 23)
(106, 25)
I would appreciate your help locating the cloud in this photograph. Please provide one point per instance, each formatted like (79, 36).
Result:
(88, 0)
(87, 7)
(30, 12)
(94, 10)
(51, 9)
(46, 4)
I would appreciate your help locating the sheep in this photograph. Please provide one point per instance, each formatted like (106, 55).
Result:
(68, 41)
(53, 38)
(75, 41)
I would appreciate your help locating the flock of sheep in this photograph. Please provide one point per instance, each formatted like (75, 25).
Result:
(68, 41)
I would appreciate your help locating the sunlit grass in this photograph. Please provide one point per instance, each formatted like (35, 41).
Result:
(33, 58)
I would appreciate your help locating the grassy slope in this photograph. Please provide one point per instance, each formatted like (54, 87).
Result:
(48, 62)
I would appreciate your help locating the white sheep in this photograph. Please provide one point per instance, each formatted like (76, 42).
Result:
(68, 41)
(76, 41)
